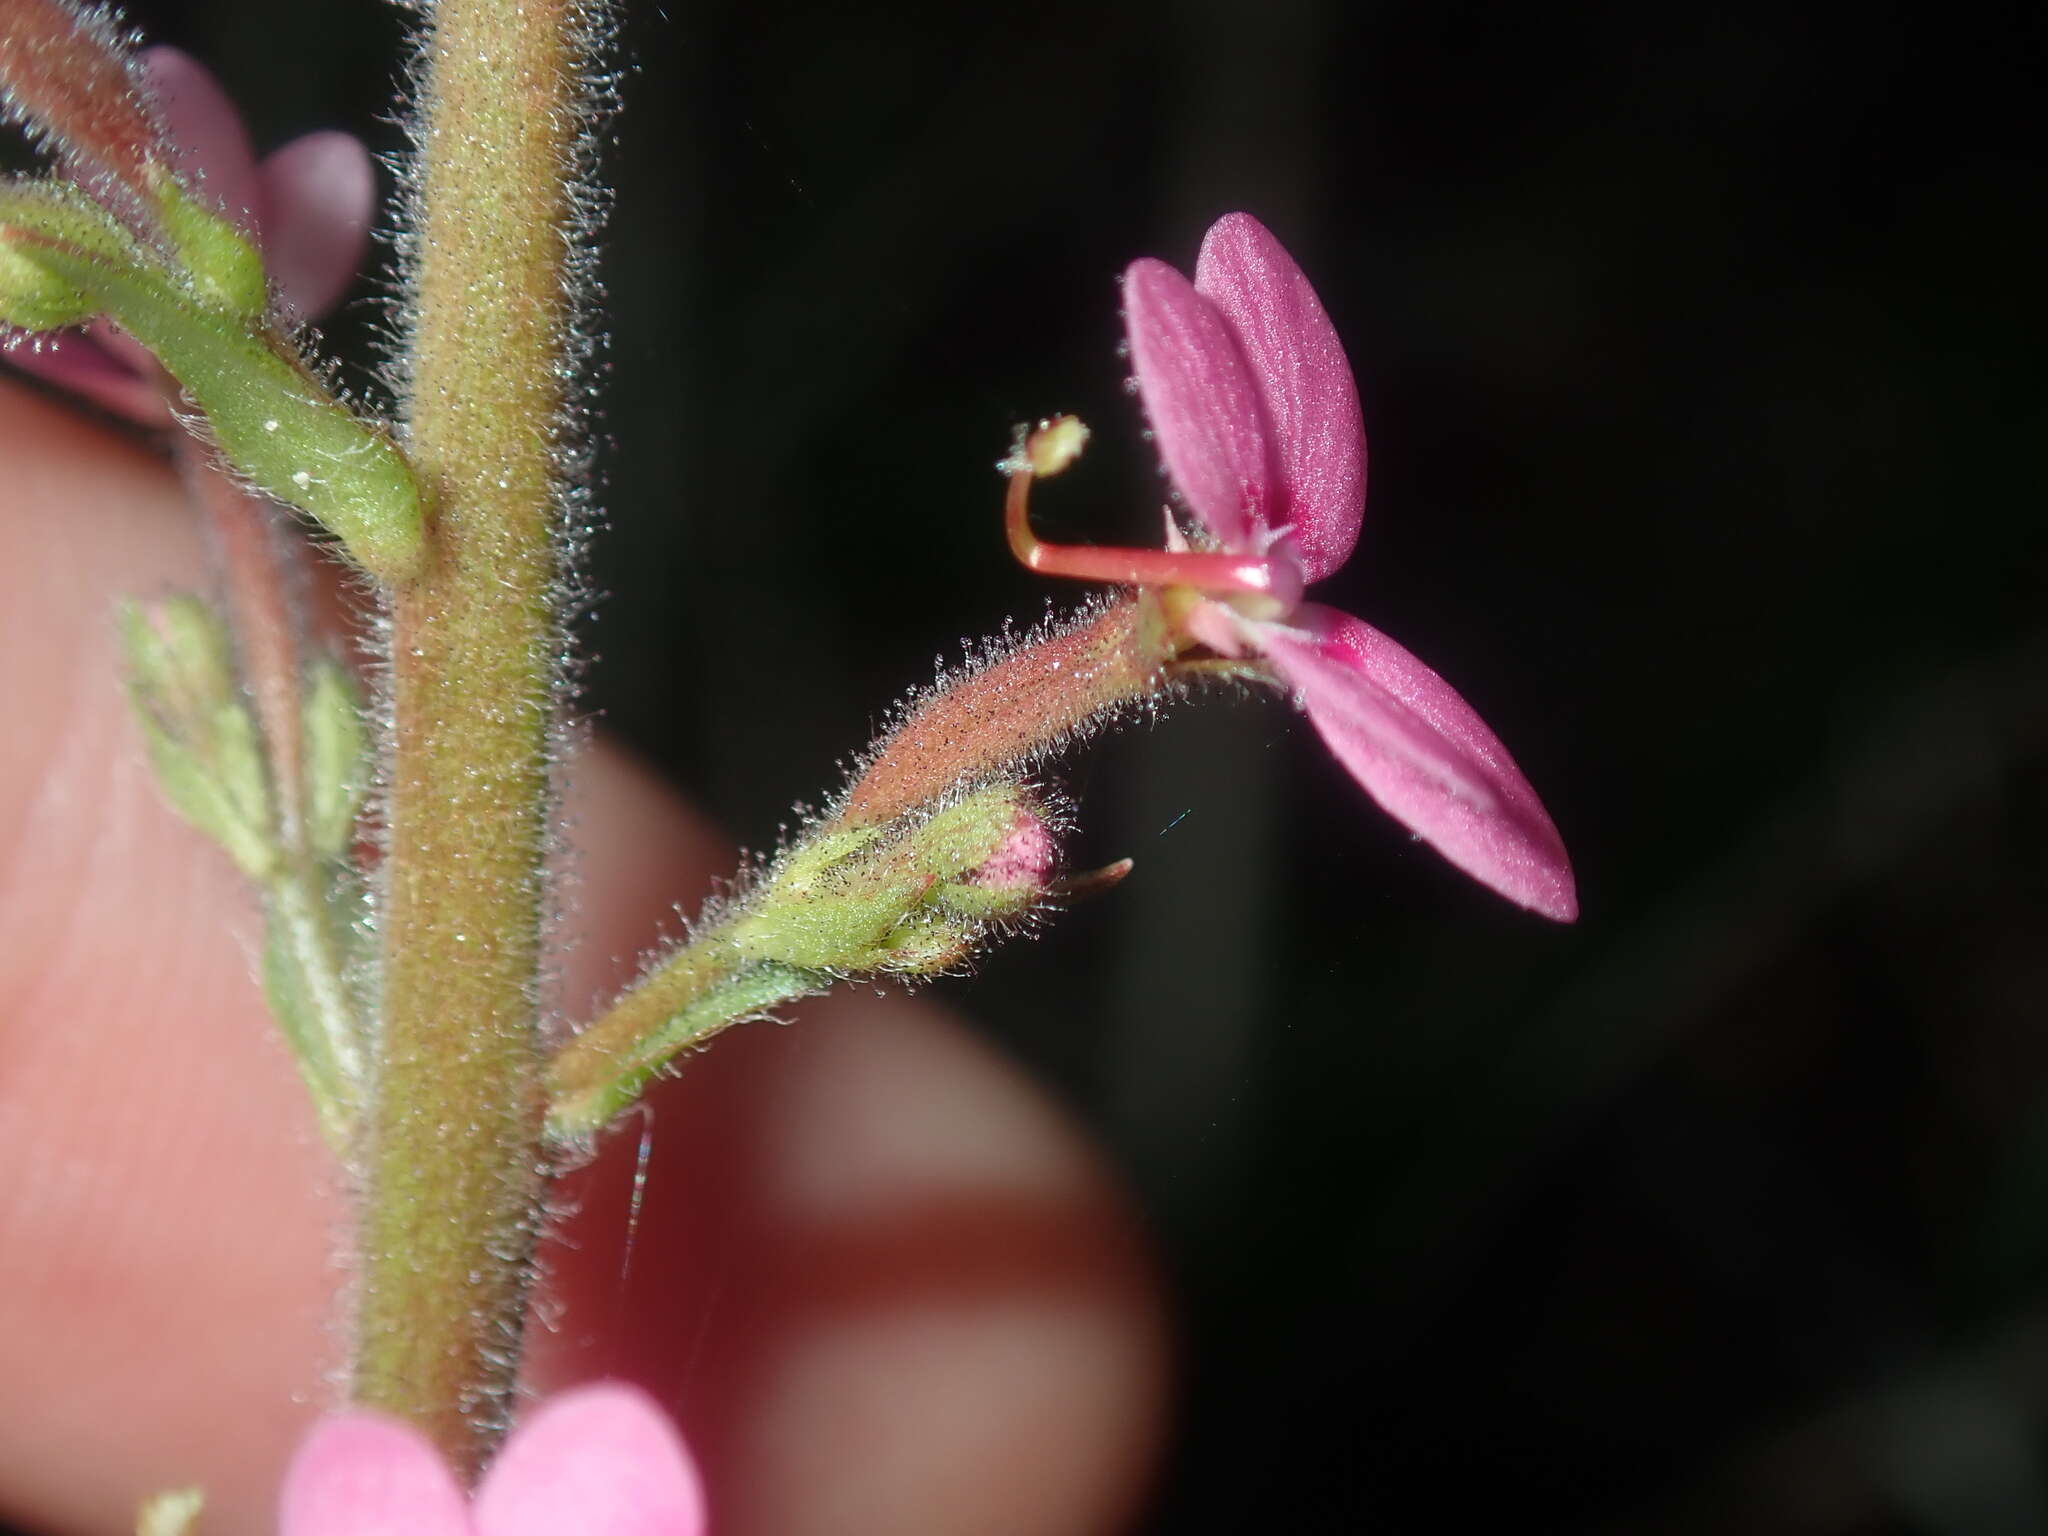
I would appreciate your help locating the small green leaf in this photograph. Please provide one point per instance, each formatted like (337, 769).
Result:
(202, 739)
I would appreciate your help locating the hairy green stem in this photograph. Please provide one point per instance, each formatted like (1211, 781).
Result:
(454, 1163)
(682, 1003)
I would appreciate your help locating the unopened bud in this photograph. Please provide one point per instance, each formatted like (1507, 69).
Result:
(1012, 879)
(912, 898)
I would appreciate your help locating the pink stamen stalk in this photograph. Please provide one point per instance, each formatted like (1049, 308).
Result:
(1204, 570)
(64, 72)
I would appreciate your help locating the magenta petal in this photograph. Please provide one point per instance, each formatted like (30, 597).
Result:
(77, 361)
(212, 150)
(599, 1461)
(1425, 755)
(1202, 402)
(360, 1474)
(318, 194)
(1304, 383)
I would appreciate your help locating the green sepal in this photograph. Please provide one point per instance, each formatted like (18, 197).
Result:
(32, 296)
(337, 759)
(838, 924)
(888, 899)
(202, 738)
(977, 903)
(226, 271)
(958, 839)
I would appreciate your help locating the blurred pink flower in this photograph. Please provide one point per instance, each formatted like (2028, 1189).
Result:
(598, 1461)
(1256, 416)
(308, 206)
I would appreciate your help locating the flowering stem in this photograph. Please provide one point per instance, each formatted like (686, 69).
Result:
(452, 1149)
(680, 1004)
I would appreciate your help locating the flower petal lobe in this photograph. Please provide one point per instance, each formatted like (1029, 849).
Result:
(1202, 402)
(1425, 755)
(1305, 386)
(360, 1474)
(319, 194)
(599, 1461)
(206, 133)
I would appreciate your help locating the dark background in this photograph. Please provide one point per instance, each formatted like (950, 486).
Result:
(1701, 354)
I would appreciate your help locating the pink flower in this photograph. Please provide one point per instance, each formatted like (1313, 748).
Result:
(598, 1461)
(308, 206)
(1256, 416)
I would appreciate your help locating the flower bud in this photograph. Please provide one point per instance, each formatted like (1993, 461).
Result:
(911, 898)
(1012, 879)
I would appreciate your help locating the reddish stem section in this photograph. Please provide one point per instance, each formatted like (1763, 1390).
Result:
(1013, 710)
(266, 630)
(64, 72)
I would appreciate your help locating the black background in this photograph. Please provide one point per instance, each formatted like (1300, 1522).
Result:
(1701, 356)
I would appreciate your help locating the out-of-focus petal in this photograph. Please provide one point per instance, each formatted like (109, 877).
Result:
(1304, 382)
(212, 150)
(318, 195)
(599, 1461)
(77, 361)
(1425, 755)
(1202, 402)
(360, 1474)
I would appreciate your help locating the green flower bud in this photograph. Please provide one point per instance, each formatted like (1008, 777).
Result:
(914, 898)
